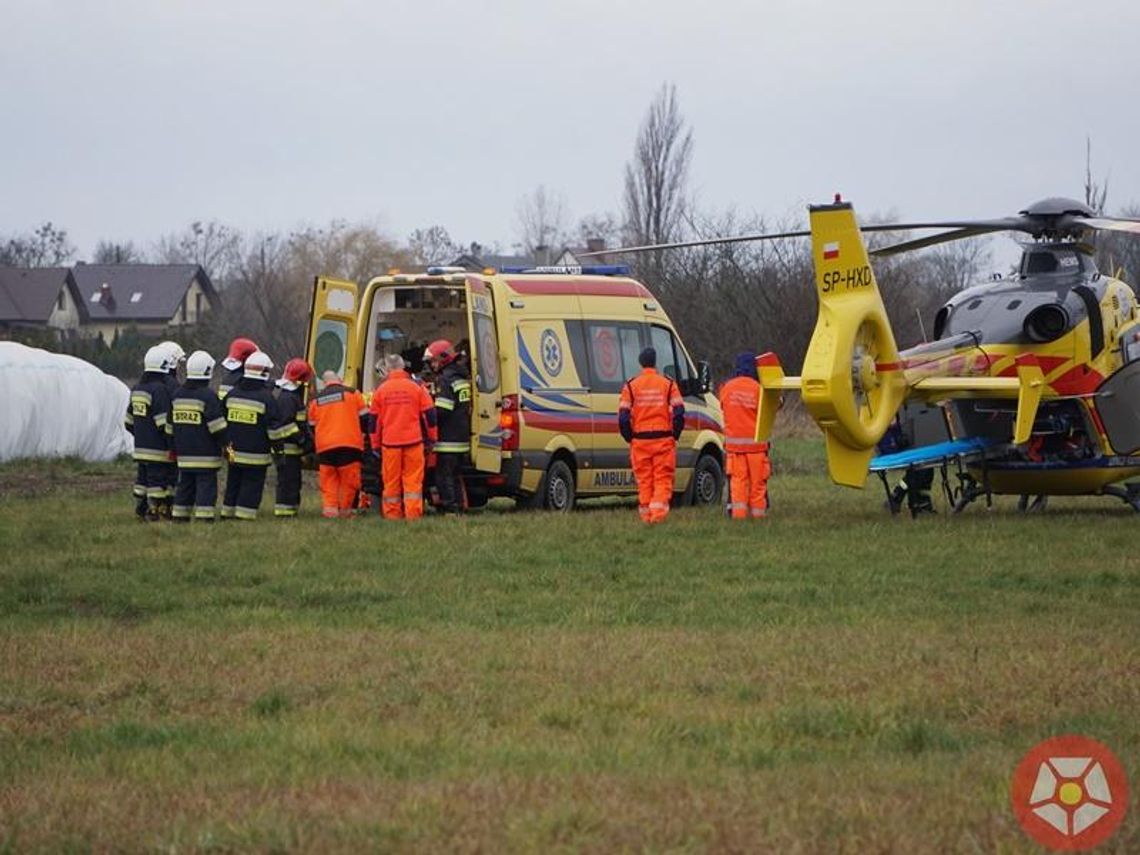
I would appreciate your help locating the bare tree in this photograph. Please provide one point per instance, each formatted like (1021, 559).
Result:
(432, 245)
(541, 220)
(214, 246)
(1118, 254)
(601, 227)
(113, 252)
(1096, 194)
(656, 179)
(47, 246)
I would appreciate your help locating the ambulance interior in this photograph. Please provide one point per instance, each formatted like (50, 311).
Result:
(405, 320)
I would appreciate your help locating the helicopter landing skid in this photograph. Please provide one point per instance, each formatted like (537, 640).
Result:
(1128, 493)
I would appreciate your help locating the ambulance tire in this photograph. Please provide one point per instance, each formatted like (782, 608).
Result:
(706, 487)
(558, 487)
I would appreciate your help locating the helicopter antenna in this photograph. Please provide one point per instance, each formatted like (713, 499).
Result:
(921, 325)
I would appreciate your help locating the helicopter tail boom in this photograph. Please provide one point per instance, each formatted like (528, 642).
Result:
(852, 381)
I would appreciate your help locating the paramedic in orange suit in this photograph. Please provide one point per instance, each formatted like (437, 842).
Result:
(651, 416)
(405, 420)
(748, 465)
(339, 418)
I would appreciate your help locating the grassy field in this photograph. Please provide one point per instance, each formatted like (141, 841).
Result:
(829, 680)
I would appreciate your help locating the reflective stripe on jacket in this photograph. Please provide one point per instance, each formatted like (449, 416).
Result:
(739, 400)
(252, 421)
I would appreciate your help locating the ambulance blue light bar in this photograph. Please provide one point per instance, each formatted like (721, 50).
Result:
(584, 270)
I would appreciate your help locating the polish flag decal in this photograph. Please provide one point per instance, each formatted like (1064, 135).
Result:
(831, 250)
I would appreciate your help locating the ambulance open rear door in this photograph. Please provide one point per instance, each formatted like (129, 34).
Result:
(334, 331)
(486, 379)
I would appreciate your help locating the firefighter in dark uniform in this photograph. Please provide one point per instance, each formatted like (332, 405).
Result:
(296, 436)
(234, 364)
(175, 373)
(147, 415)
(253, 427)
(453, 414)
(198, 428)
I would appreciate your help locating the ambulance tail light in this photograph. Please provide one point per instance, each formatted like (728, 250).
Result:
(509, 422)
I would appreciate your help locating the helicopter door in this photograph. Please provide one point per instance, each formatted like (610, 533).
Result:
(1118, 403)
(333, 330)
(486, 434)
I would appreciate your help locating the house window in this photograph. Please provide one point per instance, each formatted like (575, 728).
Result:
(60, 301)
(183, 310)
(136, 297)
(198, 306)
(96, 296)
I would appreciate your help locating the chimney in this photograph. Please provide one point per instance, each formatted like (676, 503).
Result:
(595, 244)
(542, 255)
(106, 298)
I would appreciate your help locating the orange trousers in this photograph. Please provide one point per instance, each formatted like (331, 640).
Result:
(748, 484)
(339, 488)
(403, 471)
(654, 462)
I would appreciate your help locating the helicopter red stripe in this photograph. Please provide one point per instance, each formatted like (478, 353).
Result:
(888, 366)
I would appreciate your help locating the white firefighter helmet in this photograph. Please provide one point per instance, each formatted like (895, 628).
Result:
(199, 366)
(157, 359)
(175, 351)
(258, 365)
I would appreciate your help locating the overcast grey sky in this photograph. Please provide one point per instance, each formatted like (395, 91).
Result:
(127, 120)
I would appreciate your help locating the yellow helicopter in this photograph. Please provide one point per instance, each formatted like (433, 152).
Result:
(1035, 377)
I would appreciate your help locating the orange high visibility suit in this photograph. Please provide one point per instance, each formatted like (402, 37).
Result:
(651, 416)
(405, 418)
(748, 465)
(337, 415)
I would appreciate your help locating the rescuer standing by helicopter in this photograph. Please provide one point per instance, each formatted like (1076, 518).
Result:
(748, 464)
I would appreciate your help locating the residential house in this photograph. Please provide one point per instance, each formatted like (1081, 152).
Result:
(39, 298)
(155, 299)
(571, 256)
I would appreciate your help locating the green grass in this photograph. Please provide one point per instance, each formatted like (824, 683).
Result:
(832, 679)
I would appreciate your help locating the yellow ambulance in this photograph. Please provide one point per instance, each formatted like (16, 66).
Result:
(549, 349)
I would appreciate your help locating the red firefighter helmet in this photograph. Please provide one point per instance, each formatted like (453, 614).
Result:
(297, 373)
(439, 353)
(240, 351)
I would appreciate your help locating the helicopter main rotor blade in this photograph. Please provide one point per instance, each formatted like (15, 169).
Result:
(1037, 226)
(687, 243)
(1016, 223)
(1110, 224)
(933, 240)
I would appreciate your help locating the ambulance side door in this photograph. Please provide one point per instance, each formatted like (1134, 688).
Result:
(334, 334)
(486, 378)
(612, 346)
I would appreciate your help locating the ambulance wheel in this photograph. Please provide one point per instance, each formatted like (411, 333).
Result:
(558, 487)
(707, 484)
